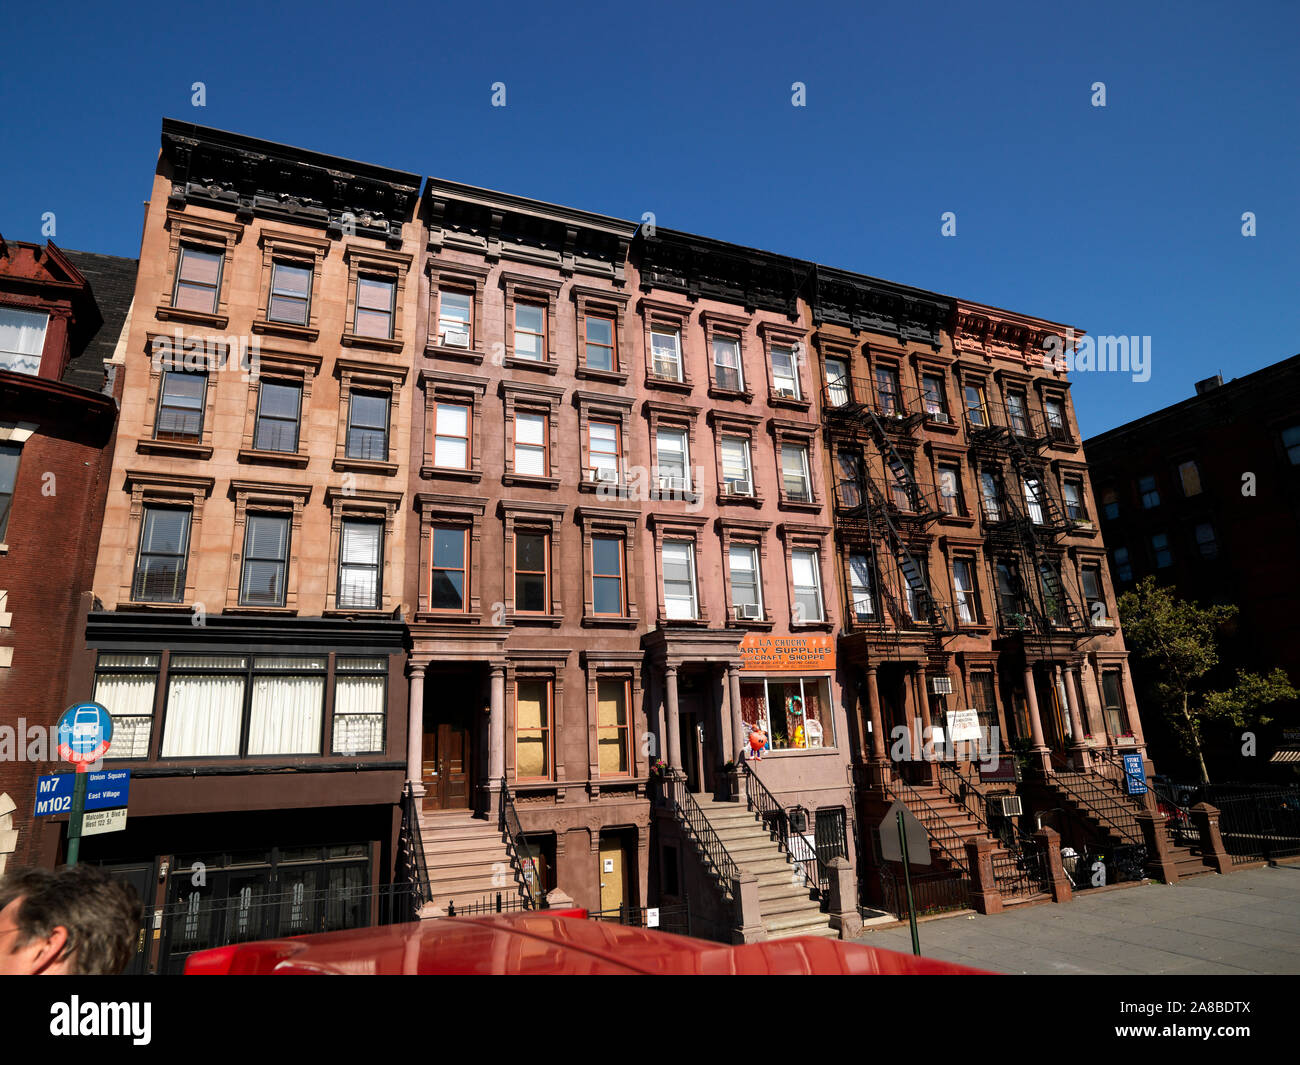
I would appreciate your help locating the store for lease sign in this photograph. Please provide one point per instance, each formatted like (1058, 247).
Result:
(787, 652)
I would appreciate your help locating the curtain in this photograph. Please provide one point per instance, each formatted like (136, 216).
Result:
(358, 714)
(129, 698)
(203, 716)
(286, 714)
(22, 338)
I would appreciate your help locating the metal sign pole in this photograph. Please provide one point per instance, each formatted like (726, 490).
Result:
(78, 811)
(907, 881)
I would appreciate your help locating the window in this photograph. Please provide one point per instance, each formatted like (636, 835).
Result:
(746, 591)
(735, 465)
(679, 580)
(530, 332)
(671, 449)
(984, 700)
(447, 590)
(266, 561)
(603, 451)
(1113, 702)
(1016, 413)
(963, 580)
(795, 712)
(180, 407)
(805, 569)
(530, 445)
(726, 364)
(848, 489)
(950, 490)
(290, 293)
(160, 563)
(666, 352)
(368, 426)
(125, 685)
(860, 587)
(451, 435)
(977, 414)
(1092, 594)
(1034, 500)
(785, 374)
(1147, 489)
(455, 318)
(22, 339)
(888, 391)
(209, 698)
(9, 456)
(1056, 427)
(1053, 593)
(532, 573)
(533, 730)
(1123, 568)
(900, 481)
(600, 343)
(1206, 543)
(917, 592)
(1073, 490)
(360, 690)
(1160, 549)
(1110, 504)
(278, 407)
(990, 495)
(794, 473)
(1010, 599)
(360, 552)
(1189, 476)
(375, 306)
(607, 576)
(936, 403)
(837, 382)
(1291, 441)
(198, 279)
(612, 748)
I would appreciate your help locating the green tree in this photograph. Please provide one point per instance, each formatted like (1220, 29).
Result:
(1180, 640)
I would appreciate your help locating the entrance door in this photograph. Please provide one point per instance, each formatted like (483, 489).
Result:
(140, 877)
(613, 873)
(446, 766)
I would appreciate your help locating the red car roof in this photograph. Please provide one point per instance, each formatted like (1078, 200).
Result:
(549, 942)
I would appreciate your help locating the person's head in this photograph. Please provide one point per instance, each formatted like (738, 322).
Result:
(75, 920)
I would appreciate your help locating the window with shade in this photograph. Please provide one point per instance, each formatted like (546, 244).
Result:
(360, 699)
(1056, 426)
(607, 591)
(950, 491)
(861, 588)
(613, 750)
(735, 465)
(22, 339)
(848, 486)
(279, 407)
(530, 445)
(679, 580)
(126, 685)
(376, 298)
(532, 729)
(1090, 577)
(290, 293)
(934, 397)
(795, 478)
(1034, 500)
(794, 712)
(1072, 487)
(963, 580)
(198, 279)
(888, 392)
(451, 435)
(1189, 476)
(265, 562)
(837, 382)
(727, 372)
(450, 552)
(532, 572)
(161, 559)
(746, 584)
(603, 451)
(455, 318)
(785, 372)
(368, 426)
(530, 332)
(805, 573)
(360, 561)
(1017, 415)
(1112, 697)
(180, 407)
(977, 412)
(599, 345)
(9, 457)
(990, 496)
(916, 593)
(674, 461)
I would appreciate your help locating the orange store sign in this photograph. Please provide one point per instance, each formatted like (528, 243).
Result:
(787, 652)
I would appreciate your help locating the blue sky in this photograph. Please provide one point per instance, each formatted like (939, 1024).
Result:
(1121, 220)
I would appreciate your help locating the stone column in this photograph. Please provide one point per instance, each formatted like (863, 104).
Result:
(916, 680)
(415, 729)
(984, 896)
(1160, 860)
(1079, 747)
(725, 735)
(1049, 841)
(496, 736)
(738, 736)
(843, 901)
(878, 750)
(1040, 755)
(673, 741)
(1206, 819)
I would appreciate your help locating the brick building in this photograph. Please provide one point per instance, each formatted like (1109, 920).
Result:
(61, 315)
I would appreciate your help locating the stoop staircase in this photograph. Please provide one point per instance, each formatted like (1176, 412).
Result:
(466, 857)
(784, 901)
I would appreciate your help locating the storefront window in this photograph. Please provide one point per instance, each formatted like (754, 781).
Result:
(794, 712)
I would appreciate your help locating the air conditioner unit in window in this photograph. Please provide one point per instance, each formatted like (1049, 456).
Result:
(602, 476)
(749, 612)
(1006, 805)
(672, 484)
(941, 685)
(1102, 623)
(786, 393)
(939, 416)
(665, 368)
(455, 340)
(738, 487)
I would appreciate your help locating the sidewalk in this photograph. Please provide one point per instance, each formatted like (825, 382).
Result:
(1241, 923)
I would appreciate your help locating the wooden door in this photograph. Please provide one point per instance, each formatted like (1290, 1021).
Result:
(613, 873)
(446, 766)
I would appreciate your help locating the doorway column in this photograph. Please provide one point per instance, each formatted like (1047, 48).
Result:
(738, 736)
(929, 767)
(496, 735)
(674, 737)
(879, 772)
(1035, 722)
(1079, 748)
(415, 729)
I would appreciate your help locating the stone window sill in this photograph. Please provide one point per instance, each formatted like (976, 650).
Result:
(437, 351)
(382, 469)
(165, 313)
(273, 458)
(616, 377)
(355, 340)
(514, 362)
(286, 329)
(174, 447)
(431, 472)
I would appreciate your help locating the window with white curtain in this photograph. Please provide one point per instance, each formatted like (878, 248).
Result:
(125, 685)
(679, 579)
(360, 687)
(360, 551)
(205, 708)
(22, 339)
(530, 445)
(287, 705)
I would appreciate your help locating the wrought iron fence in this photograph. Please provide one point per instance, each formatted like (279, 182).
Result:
(776, 819)
(1022, 871)
(488, 904)
(940, 892)
(676, 919)
(1260, 825)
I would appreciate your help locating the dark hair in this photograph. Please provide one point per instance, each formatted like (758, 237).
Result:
(101, 915)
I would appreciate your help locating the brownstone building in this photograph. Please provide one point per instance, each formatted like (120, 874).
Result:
(61, 315)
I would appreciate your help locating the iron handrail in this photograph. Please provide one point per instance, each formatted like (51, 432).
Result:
(417, 869)
(1083, 795)
(522, 858)
(776, 818)
(929, 823)
(717, 861)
